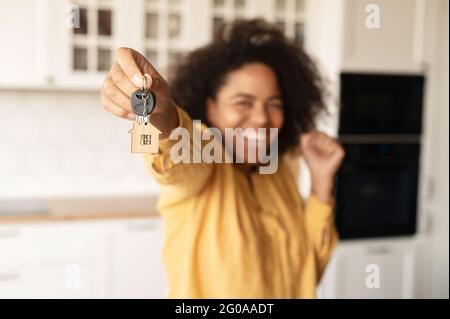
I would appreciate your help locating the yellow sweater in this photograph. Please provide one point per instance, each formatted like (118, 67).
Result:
(232, 234)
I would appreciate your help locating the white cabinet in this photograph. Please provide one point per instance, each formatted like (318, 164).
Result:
(137, 268)
(377, 269)
(21, 51)
(384, 35)
(102, 259)
(70, 44)
(59, 260)
(44, 51)
(70, 279)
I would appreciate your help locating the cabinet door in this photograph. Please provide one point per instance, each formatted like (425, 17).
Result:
(71, 44)
(381, 35)
(21, 56)
(137, 269)
(379, 272)
(54, 260)
(69, 279)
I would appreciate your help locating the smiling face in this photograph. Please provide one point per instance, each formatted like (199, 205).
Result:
(249, 98)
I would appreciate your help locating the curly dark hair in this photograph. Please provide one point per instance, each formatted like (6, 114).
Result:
(202, 72)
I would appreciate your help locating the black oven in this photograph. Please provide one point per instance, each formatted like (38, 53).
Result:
(380, 127)
(376, 193)
(381, 104)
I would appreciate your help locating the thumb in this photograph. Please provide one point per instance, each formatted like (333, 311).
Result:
(305, 139)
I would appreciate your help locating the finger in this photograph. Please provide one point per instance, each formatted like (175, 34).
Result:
(135, 65)
(115, 94)
(121, 80)
(305, 139)
(113, 108)
(338, 154)
(126, 58)
(325, 143)
(152, 82)
(316, 140)
(328, 145)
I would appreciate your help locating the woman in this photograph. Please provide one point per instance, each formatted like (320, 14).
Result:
(230, 231)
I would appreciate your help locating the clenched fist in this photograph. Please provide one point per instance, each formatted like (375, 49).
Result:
(125, 77)
(323, 156)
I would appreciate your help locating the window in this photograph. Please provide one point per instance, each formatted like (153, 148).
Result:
(290, 17)
(228, 10)
(165, 30)
(92, 41)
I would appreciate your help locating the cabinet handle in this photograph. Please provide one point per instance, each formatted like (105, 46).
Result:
(378, 250)
(141, 226)
(430, 189)
(9, 276)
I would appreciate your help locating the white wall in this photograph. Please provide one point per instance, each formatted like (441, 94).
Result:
(56, 143)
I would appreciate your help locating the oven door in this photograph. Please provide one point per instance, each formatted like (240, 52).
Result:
(376, 192)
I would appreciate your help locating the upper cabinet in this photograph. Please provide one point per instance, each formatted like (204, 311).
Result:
(62, 44)
(70, 44)
(384, 35)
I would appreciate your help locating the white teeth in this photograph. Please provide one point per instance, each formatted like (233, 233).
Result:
(252, 134)
(253, 137)
(256, 139)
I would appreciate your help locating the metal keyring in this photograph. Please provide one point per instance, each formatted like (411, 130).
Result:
(144, 84)
(145, 93)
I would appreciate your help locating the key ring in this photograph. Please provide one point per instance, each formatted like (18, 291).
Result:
(143, 101)
(144, 93)
(144, 84)
(145, 97)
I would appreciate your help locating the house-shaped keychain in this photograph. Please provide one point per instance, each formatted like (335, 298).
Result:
(144, 138)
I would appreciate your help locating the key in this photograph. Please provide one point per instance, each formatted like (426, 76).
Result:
(143, 103)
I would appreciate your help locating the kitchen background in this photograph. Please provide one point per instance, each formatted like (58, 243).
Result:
(77, 210)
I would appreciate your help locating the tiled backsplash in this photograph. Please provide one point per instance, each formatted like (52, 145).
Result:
(65, 144)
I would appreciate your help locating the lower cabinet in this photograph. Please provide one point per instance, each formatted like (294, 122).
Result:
(375, 270)
(137, 270)
(121, 258)
(80, 259)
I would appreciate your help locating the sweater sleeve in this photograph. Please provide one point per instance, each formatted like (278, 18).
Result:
(321, 230)
(179, 179)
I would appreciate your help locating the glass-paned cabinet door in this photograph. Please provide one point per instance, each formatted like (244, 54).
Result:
(92, 39)
(165, 24)
(229, 10)
(173, 26)
(163, 30)
(288, 15)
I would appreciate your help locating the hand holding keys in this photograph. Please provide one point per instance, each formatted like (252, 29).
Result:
(125, 94)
